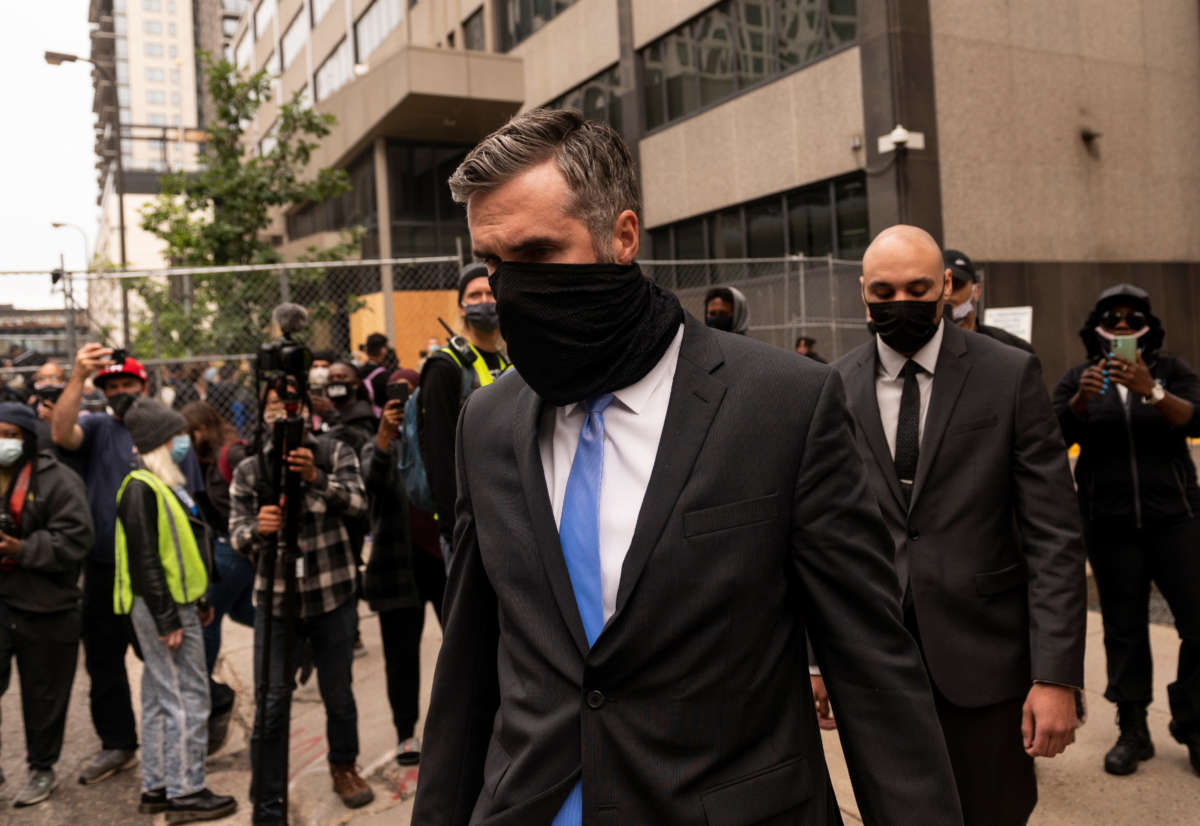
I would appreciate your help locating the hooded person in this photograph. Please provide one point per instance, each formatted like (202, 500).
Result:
(1137, 491)
(725, 308)
(45, 534)
(162, 572)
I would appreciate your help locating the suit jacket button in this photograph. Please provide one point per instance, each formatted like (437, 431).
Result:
(914, 535)
(595, 699)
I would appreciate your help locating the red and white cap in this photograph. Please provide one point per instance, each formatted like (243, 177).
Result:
(129, 367)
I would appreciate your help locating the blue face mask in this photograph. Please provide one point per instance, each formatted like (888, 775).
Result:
(179, 448)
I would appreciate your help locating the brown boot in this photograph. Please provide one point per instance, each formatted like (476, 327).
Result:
(350, 787)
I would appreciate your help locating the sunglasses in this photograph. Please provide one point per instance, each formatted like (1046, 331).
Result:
(1135, 319)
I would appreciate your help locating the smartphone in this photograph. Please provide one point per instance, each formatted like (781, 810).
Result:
(1126, 348)
(398, 391)
(119, 355)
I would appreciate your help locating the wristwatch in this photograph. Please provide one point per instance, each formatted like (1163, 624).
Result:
(1156, 395)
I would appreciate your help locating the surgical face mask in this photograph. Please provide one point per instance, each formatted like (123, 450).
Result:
(120, 403)
(961, 311)
(179, 448)
(720, 322)
(11, 451)
(210, 375)
(483, 316)
(272, 416)
(318, 377)
(905, 326)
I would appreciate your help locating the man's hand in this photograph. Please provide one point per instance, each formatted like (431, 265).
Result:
(9, 545)
(1048, 720)
(821, 700)
(389, 423)
(90, 358)
(321, 405)
(1134, 376)
(270, 519)
(173, 640)
(300, 460)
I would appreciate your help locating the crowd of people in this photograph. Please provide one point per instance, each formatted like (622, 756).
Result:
(665, 554)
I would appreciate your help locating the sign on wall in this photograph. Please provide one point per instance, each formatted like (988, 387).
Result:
(1015, 320)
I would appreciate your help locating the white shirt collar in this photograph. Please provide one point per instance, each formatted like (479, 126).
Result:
(891, 362)
(635, 396)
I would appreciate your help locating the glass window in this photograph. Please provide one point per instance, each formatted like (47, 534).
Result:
(679, 72)
(756, 59)
(123, 71)
(156, 97)
(376, 24)
(810, 225)
(120, 25)
(153, 49)
(156, 119)
(728, 240)
(170, 6)
(155, 75)
(714, 54)
(843, 22)
(319, 7)
(152, 5)
(122, 95)
(660, 243)
(244, 52)
(171, 29)
(176, 99)
(305, 99)
(689, 240)
(598, 98)
(122, 48)
(235, 6)
(152, 27)
(175, 76)
(229, 26)
(263, 16)
(336, 71)
(172, 52)
(294, 39)
(521, 18)
(272, 64)
(764, 226)
(473, 34)
(652, 66)
(852, 224)
(800, 32)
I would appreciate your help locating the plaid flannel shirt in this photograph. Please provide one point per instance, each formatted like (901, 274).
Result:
(328, 576)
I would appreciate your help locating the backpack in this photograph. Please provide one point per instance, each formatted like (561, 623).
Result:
(224, 466)
(412, 466)
(367, 382)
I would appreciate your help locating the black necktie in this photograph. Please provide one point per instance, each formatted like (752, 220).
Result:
(908, 429)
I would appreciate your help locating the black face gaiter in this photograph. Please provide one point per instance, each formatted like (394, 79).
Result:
(905, 326)
(576, 331)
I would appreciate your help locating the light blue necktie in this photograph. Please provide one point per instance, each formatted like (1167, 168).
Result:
(579, 534)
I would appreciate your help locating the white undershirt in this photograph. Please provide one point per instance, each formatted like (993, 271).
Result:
(633, 425)
(889, 386)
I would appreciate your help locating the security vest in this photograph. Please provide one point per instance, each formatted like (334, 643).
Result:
(183, 566)
(482, 375)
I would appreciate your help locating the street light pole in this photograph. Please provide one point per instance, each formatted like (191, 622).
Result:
(69, 286)
(57, 59)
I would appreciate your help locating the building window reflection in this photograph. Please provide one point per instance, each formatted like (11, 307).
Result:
(521, 18)
(598, 98)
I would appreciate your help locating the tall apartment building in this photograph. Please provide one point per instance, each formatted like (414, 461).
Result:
(1057, 136)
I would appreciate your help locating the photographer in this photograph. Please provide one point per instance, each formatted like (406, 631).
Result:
(45, 534)
(325, 591)
(400, 577)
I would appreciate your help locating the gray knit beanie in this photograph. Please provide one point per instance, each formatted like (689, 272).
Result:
(151, 424)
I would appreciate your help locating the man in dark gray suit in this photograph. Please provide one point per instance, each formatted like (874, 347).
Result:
(650, 514)
(970, 471)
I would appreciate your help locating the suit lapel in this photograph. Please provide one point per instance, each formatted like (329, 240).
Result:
(533, 481)
(695, 398)
(864, 402)
(948, 379)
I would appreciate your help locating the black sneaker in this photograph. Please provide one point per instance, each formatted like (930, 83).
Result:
(203, 805)
(153, 802)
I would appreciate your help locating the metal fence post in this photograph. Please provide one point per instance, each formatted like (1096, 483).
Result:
(833, 308)
(285, 290)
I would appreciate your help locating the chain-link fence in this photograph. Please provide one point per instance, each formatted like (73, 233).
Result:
(197, 329)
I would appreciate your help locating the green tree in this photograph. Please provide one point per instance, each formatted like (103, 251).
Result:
(216, 216)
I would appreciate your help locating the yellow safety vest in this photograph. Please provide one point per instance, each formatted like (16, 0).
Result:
(184, 568)
(481, 369)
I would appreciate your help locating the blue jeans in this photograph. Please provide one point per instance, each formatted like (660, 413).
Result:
(231, 593)
(174, 705)
(332, 638)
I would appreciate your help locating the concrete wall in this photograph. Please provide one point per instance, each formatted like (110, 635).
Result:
(575, 45)
(1017, 80)
(653, 18)
(788, 133)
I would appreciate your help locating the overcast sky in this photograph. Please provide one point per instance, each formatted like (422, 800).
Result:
(46, 145)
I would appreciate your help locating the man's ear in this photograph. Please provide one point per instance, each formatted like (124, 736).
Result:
(625, 239)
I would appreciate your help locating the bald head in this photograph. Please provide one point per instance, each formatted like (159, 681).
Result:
(904, 263)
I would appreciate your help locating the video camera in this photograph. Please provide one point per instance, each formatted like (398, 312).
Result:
(282, 364)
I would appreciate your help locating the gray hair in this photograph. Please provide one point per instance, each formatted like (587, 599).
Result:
(591, 156)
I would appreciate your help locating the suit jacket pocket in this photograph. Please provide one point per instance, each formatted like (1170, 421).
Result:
(758, 796)
(995, 582)
(733, 515)
(989, 420)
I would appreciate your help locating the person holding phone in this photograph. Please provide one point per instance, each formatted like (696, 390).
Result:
(400, 577)
(1131, 409)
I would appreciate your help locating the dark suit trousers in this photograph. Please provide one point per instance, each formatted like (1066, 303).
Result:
(995, 778)
(1125, 560)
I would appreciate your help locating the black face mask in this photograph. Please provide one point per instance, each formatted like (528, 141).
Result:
(120, 404)
(339, 392)
(483, 316)
(720, 322)
(905, 326)
(576, 331)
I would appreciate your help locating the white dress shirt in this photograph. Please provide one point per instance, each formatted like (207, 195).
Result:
(633, 425)
(889, 385)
